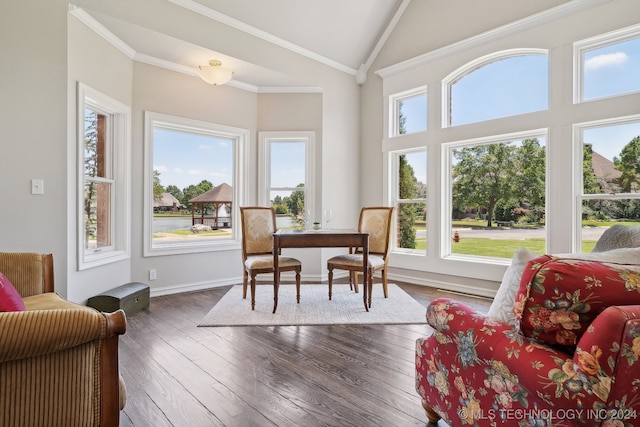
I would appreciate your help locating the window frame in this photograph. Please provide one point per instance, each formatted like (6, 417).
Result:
(264, 165)
(580, 195)
(592, 43)
(394, 110)
(395, 199)
(475, 64)
(241, 139)
(118, 145)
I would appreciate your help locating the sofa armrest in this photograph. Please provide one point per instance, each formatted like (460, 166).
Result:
(480, 338)
(607, 355)
(31, 333)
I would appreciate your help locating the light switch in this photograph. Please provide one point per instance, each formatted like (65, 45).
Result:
(37, 186)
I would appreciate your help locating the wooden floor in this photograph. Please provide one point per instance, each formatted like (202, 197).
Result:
(344, 375)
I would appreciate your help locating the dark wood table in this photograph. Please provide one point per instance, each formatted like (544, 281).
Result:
(319, 239)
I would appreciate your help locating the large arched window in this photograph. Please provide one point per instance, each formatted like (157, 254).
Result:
(499, 85)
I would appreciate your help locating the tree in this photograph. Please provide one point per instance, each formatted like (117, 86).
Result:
(174, 191)
(158, 189)
(589, 180)
(295, 202)
(629, 165)
(408, 185)
(483, 175)
(195, 190)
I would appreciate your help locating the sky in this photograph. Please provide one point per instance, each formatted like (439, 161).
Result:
(184, 158)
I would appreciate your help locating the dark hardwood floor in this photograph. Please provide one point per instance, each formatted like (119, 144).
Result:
(344, 375)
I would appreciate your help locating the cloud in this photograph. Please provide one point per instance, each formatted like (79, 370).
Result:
(606, 60)
(160, 168)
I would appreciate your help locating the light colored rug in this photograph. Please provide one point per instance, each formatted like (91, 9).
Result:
(345, 307)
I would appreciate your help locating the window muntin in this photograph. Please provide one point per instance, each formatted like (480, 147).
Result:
(194, 184)
(409, 112)
(610, 177)
(497, 196)
(609, 66)
(103, 180)
(501, 85)
(410, 200)
(287, 177)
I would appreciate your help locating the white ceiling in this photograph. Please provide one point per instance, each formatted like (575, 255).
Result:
(342, 34)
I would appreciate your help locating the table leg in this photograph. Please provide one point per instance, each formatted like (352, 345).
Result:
(365, 268)
(276, 271)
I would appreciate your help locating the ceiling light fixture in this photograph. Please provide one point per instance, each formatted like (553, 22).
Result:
(214, 73)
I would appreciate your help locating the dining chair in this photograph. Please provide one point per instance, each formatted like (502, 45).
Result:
(258, 226)
(377, 222)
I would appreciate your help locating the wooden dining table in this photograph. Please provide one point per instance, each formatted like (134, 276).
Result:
(323, 238)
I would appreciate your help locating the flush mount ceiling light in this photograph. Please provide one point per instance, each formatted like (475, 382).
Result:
(215, 74)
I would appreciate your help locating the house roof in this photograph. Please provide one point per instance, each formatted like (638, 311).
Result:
(604, 168)
(167, 200)
(223, 193)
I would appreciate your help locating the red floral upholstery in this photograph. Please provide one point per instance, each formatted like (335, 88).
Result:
(475, 371)
(560, 297)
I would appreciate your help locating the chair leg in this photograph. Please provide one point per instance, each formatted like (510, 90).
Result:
(253, 292)
(298, 285)
(432, 415)
(354, 274)
(330, 277)
(385, 288)
(245, 279)
(370, 285)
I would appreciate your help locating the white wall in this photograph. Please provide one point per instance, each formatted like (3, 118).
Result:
(33, 129)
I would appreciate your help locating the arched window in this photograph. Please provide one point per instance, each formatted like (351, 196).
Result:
(498, 85)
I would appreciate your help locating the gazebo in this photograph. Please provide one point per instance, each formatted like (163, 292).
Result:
(220, 196)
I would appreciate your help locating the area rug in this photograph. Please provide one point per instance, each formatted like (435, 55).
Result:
(345, 307)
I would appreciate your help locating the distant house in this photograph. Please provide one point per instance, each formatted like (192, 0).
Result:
(167, 203)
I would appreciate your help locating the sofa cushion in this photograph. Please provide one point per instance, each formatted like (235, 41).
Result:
(10, 299)
(618, 236)
(558, 298)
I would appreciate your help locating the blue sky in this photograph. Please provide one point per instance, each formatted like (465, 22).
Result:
(184, 159)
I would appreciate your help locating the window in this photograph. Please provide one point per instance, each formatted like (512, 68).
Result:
(497, 196)
(410, 199)
(286, 176)
(608, 65)
(500, 85)
(103, 190)
(194, 184)
(409, 112)
(610, 177)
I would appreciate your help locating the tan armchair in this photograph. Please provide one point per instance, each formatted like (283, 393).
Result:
(58, 360)
(377, 222)
(258, 226)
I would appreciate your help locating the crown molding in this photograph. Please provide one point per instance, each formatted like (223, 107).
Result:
(256, 32)
(550, 15)
(101, 30)
(112, 39)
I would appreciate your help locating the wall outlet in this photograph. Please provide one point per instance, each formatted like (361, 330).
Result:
(152, 274)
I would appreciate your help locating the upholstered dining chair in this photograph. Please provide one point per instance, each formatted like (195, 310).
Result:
(258, 226)
(377, 222)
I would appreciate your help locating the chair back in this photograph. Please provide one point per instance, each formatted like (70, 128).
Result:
(377, 222)
(29, 272)
(258, 226)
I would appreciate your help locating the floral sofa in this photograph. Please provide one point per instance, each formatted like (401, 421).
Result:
(568, 356)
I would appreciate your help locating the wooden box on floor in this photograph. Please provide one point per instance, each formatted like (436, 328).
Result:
(131, 297)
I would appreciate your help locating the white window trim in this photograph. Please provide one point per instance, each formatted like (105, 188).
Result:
(601, 40)
(121, 163)
(394, 128)
(241, 138)
(396, 200)
(264, 162)
(470, 66)
(447, 186)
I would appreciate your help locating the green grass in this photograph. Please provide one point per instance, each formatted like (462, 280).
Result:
(498, 248)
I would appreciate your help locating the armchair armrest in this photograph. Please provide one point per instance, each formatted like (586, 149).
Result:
(31, 333)
(607, 356)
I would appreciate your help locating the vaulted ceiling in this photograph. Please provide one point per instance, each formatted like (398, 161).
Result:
(342, 34)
